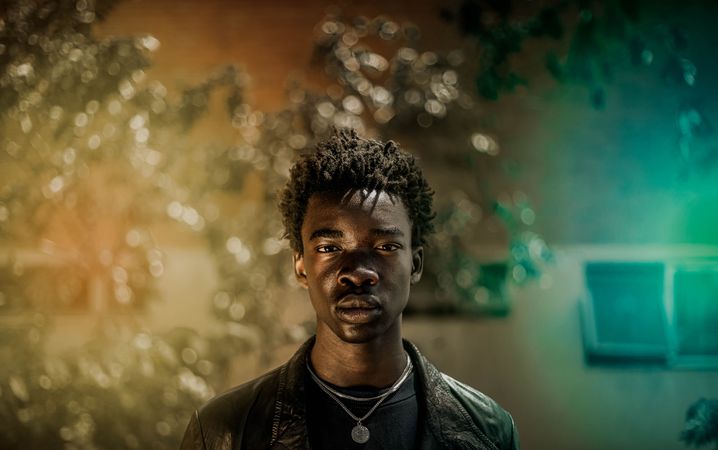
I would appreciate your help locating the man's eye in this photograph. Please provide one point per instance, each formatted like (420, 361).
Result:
(389, 247)
(327, 248)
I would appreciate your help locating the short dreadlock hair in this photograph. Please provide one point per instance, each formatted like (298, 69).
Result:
(345, 161)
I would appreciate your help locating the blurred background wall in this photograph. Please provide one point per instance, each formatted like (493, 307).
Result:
(604, 174)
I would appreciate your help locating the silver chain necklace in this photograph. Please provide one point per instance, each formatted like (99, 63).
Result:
(360, 433)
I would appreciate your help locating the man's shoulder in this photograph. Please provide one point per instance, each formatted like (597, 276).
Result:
(484, 411)
(467, 413)
(232, 407)
(221, 422)
(474, 399)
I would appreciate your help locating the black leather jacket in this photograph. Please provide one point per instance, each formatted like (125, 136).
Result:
(268, 413)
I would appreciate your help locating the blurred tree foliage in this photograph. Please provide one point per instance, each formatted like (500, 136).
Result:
(93, 155)
(589, 43)
(603, 37)
(701, 426)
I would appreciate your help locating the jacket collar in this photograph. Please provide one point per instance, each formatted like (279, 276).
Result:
(446, 423)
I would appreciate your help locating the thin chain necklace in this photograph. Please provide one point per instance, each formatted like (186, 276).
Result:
(360, 433)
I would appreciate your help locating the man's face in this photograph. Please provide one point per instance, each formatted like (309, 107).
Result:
(357, 263)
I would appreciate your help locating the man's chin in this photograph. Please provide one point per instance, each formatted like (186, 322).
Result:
(365, 332)
(357, 334)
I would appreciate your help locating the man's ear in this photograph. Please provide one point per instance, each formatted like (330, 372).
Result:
(299, 271)
(417, 264)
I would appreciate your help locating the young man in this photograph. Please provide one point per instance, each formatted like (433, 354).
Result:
(357, 213)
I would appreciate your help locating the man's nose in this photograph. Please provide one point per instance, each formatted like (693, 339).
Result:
(357, 270)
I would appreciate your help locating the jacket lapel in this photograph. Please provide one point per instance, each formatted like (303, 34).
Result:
(447, 425)
(289, 426)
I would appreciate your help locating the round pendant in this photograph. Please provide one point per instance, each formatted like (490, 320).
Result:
(360, 434)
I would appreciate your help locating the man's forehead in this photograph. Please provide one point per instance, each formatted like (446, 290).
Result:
(356, 197)
(325, 207)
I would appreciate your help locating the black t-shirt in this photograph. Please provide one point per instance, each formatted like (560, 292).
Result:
(392, 426)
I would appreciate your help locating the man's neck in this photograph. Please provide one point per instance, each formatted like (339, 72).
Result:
(377, 363)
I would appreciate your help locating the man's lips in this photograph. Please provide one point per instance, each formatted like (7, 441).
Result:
(353, 301)
(357, 309)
